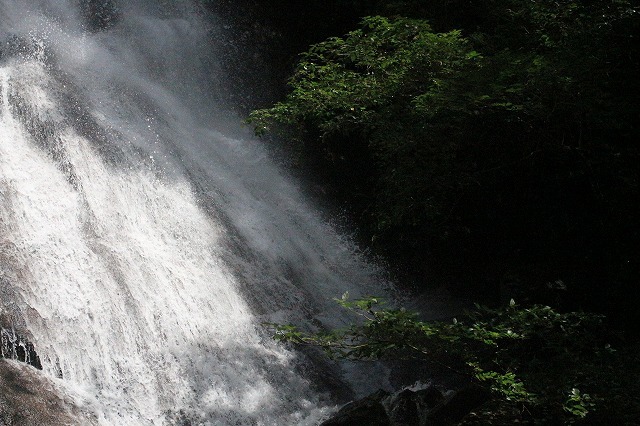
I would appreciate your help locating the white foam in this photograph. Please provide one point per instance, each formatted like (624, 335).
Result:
(147, 235)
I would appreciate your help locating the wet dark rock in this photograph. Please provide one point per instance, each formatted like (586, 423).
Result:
(403, 409)
(28, 397)
(408, 408)
(457, 405)
(429, 397)
(367, 411)
(424, 407)
(15, 346)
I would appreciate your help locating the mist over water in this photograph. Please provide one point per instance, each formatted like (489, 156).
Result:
(144, 234)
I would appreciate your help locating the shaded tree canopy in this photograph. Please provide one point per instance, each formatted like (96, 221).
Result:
(496, 139)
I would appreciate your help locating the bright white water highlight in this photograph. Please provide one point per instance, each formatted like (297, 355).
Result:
(144, 236)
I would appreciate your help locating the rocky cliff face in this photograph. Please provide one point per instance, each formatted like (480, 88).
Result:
(28, 397)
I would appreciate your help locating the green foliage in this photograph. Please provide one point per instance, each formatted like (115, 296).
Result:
(578, 404)
(388, 84)
(542, 363)
(351, 85)
(513, 138)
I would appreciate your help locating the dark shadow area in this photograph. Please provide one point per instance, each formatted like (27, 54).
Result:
(259, 42)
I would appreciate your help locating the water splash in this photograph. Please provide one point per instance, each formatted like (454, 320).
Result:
(144, 236)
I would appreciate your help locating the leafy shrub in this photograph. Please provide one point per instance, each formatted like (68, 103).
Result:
(540, 364)
(512, 139)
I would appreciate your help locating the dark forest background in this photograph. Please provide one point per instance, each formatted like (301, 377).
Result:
(490, 147)
(503, 163)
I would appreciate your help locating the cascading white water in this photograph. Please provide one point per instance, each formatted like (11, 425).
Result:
(144, 235)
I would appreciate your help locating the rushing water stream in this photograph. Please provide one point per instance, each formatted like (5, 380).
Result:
(144, 234)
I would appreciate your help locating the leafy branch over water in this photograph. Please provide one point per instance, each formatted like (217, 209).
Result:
(538, 363)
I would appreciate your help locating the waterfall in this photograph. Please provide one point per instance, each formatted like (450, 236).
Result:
(145, 235)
